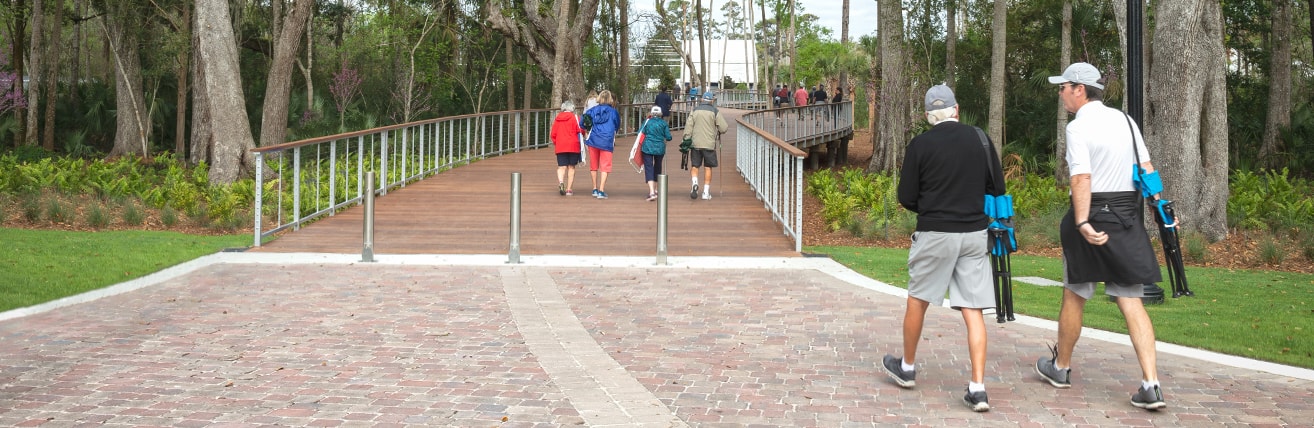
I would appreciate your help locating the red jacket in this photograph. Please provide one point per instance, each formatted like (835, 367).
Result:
(566, 132)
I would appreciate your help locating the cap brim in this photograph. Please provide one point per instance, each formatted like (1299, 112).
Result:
(1057, 80)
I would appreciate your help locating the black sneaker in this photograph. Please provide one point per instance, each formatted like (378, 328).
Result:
(1149, 399)
(894, 368)
(977, 401)
(1046, 369)
(693, 194)
(561, 189)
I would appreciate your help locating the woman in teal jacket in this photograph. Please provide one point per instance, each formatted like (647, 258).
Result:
(655, 135)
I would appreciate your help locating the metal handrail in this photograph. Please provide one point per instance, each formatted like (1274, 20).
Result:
(742, 99)
(320, 176)
(770, 161)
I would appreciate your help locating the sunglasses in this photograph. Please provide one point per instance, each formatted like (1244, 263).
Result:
(1068, 84)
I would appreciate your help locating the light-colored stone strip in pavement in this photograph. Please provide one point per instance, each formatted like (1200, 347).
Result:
(1035, 280)
(603, 392)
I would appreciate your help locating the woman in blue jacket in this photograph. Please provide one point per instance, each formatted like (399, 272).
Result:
(602, 140)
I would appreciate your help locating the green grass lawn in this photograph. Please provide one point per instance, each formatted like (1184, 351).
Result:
(1256, 314)
(37, 266)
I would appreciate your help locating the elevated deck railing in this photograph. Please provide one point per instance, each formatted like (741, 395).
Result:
(771, 151)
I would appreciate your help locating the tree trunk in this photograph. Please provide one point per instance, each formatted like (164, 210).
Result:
(547, 36)
(951, 44)
(35, 64)
(677, 46)
(844, 41)
(273, 121)
(52, 76)
(793, 41)
(230, 140)
(625, 51)
(888, 154)
(702, 43)
(201, 133)
(1061, 118)
(510, 77)
(1279, 88)
(1188, 129)
(18, 53)
(998, 82)
(184, 65)
(75, 96)
(132, 121)
(309, 65)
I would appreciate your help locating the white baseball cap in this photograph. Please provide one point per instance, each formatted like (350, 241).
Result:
(1079, 72)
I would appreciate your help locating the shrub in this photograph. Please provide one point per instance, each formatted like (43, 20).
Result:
(168, 216)
(57, 211)
(1271, 251)
(1195, 247)
(31, 208)
(1307, 246)
(97, 217)
(133, 215)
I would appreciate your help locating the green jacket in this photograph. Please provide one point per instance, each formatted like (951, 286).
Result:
(705, 124)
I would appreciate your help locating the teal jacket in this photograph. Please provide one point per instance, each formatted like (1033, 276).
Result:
(656, 134)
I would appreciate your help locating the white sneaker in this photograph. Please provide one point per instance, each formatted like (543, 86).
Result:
(707, 196)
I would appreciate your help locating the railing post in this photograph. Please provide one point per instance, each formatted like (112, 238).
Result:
(367, 250)
(259, 193)
(513, 256)
(661, 219)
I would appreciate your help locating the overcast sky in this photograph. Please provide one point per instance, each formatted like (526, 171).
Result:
(862, 13)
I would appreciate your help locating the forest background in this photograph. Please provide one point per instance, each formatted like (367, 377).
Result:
(197, 83)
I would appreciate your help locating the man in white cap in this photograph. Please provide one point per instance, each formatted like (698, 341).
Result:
(947, 170)
(705, 126)
(1103, 235)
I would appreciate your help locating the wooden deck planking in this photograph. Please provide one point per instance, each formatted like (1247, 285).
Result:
(467, 211)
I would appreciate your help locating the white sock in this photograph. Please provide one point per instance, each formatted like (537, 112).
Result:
(695, 181)
(707, 188)
(906, 367)
(975, 387)
(1147, 384)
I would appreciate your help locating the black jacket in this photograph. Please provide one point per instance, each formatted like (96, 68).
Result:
(946, 175)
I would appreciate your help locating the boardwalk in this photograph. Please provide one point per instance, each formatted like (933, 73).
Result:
(466, 211)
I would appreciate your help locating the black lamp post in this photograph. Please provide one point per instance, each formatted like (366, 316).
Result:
(1136, 97)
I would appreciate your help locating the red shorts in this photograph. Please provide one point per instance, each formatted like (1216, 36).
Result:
(599, 160)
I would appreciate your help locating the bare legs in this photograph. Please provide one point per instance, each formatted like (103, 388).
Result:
(1139, 328)
(914, 319)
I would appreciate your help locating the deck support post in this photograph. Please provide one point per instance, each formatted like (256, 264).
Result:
(661, 219)
(513, 257)
(367, 251)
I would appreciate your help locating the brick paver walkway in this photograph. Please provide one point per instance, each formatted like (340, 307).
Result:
(315, 340)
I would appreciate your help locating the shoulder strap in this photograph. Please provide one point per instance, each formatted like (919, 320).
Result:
(985, 145)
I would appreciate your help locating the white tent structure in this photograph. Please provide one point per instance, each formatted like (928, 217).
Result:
(734, 58)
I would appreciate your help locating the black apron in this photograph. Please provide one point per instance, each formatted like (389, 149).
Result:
(1126, 258)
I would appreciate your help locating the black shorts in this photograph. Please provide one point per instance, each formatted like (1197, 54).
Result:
(568, 159)
(702, 157)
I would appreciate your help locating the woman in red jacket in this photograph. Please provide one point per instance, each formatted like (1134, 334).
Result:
(566, 136)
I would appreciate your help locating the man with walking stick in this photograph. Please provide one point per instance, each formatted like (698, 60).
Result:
(705, 125)
(1103, 234)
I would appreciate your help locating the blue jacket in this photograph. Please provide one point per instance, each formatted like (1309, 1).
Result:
(605, 123)
(655, 135)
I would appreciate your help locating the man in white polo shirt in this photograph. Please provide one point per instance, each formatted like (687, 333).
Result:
(1103, 234)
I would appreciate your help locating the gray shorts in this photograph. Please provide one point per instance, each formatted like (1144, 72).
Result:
(702, 157)
(1087, 289)
(957, 263)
